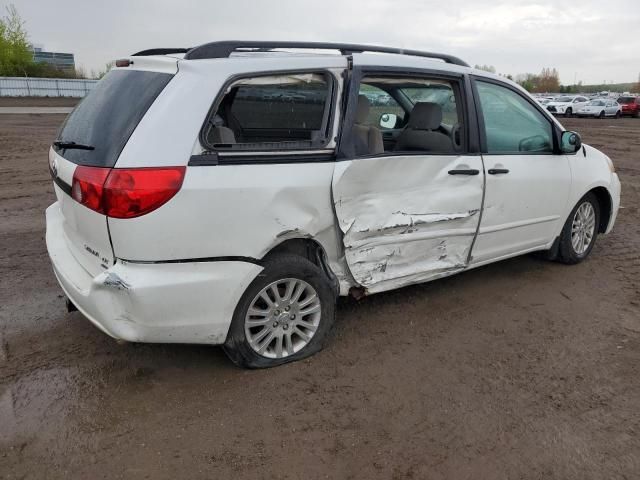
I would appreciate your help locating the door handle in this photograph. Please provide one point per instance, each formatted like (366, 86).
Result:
(469, 171)
(497, 171)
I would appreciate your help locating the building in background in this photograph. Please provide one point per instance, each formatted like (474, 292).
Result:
(61, 61)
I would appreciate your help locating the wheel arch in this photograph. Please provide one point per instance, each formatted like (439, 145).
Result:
(606, 204)
(307, 248)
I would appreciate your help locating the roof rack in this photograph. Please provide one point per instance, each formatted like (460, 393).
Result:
(160, 51)
(224, 49)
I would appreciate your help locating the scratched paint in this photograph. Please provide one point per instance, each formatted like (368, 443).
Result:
(406, 220)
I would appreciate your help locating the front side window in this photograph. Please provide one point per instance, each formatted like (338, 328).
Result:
(275, 112)
(417, 115)
(440, 93)
(512, 124)
(383, 108)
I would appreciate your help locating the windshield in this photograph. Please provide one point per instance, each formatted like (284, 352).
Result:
(435, 93)
(596, 103)
(563, 99)
(626, 100)
(103, 122)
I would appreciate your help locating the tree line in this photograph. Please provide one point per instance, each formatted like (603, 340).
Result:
(548, 81)
(16, 53)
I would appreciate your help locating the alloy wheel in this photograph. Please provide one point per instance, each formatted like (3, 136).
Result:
(583, 228)
(282, 318)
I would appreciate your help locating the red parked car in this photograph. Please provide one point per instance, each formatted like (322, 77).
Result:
(630, 106)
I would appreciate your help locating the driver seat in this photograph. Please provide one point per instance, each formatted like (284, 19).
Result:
(422, 134)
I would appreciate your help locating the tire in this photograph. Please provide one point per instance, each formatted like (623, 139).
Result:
(568, 112)
(279, 322)
(601, 116)
(618, 114)
(567, 251)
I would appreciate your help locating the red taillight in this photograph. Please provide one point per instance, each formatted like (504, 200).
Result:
(132, 192)
(87, 186)
(125, 192)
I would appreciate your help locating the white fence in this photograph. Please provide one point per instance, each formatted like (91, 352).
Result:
(44, 87)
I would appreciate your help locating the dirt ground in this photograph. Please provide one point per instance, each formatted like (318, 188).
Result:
(520, 370)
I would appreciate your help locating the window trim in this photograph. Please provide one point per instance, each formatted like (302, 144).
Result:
(327, 116)
(555, 130)
(346, 145)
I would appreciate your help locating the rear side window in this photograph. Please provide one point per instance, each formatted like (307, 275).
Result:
(274, 112)
(512, 124)
(107, 117)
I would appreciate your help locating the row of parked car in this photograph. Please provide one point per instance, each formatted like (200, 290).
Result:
(583, 106)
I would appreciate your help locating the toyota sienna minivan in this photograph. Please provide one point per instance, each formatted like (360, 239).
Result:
(227, 194)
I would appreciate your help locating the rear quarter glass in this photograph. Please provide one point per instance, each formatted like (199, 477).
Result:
(107, 117)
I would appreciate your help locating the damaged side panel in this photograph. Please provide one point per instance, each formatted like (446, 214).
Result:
(405, 219)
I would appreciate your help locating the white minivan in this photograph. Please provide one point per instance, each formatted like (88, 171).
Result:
(228, 193)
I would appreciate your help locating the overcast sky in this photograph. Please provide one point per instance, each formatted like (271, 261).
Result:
(589, 40)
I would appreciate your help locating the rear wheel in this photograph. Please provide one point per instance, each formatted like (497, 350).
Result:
(601, 116)
(618, 114)
(580, 230)
(285, 315)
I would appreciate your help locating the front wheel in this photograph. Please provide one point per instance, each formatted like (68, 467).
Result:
(568, 112)
(285, 314)
(601, 116)
(618, 114)
(580, 230)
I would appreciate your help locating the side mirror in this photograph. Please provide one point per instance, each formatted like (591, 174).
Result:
(388, 120)
(570, 142)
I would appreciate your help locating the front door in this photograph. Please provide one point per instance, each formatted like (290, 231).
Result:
(409, 213)
(526, 184)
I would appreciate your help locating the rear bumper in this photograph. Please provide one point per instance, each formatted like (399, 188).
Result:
(190, 302)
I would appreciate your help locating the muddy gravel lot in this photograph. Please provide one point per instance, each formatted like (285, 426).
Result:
(520, 370)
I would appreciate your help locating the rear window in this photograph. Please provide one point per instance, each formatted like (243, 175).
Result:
(626, 100)
(107, 117)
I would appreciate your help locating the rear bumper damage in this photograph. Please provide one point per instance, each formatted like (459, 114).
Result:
(187, 302)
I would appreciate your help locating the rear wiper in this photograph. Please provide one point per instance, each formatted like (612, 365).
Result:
(74, 145)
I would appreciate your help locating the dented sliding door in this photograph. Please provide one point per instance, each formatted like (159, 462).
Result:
(407, 219)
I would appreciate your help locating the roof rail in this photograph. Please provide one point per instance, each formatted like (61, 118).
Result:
(224, 49)
(160, 51)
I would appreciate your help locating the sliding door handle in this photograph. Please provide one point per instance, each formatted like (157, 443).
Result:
(468, 171)
(497, 171)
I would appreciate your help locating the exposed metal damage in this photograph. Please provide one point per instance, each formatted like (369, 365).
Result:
(113, 280)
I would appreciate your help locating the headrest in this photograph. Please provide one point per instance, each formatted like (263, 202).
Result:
(217, 121)
(362, 113)
(425, 116)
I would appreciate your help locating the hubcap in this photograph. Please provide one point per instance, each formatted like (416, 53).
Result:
(282, 318)
(583, 228)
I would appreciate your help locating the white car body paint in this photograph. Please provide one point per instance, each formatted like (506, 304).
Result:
(383, 222)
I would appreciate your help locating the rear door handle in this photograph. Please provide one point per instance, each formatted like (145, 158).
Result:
(469, 171)
(497, 171)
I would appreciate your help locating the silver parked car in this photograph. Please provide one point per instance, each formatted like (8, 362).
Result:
(601, 107)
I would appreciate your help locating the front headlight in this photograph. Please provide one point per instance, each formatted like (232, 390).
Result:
(560, 109)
